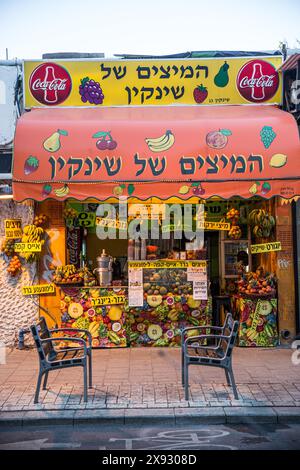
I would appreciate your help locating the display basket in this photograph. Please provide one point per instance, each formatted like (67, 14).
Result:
(268, 296)
(69, 284)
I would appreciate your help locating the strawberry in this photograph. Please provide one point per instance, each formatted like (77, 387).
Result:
(200, 93)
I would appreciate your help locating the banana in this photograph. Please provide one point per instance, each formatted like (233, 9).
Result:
(62, 192)
(162, 143)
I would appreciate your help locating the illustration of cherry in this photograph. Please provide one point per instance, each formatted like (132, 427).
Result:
(105, 141)
(198, 190)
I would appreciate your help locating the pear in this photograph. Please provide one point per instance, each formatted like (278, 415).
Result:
(253, 188)
(222, 78)
(52, 143)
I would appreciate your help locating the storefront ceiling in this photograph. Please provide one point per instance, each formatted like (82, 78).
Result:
(156, 151)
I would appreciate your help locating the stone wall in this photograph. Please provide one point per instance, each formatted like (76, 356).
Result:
(16, 311)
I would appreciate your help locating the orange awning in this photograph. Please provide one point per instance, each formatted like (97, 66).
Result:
(168, 151)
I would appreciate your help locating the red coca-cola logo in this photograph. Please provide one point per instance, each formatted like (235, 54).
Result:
(50, 84)
(257, 81)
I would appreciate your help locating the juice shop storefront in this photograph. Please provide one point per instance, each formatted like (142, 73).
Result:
(100, 164)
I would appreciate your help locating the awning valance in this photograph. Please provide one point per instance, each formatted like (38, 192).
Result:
(160, 151)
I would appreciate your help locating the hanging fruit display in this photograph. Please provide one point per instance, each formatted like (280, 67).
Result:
(235, 231)
(7, 247)
(262, 223)
(40, 220)
(32, 234)
(233, 215)
(70, 213)
(14, 266)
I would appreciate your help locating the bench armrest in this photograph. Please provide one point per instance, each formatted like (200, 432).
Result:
(55, 330)
(66, 338)
(195, 338)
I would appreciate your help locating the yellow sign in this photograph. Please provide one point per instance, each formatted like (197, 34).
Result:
(33, 247)
(162, 264)
(205, 225)
(146, 211)
(199, 81)
(111, 223)
(13, 228)
(86, 219)
(38, 289)
(108, 300)
(265, 247)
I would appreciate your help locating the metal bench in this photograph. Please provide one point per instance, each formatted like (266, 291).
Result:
(213, 349)
(51, 358)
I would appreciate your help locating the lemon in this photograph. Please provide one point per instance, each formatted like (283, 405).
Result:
(278, 160)
(184, 190)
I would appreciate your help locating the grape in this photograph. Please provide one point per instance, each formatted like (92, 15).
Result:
(91, 91)
(267, 136)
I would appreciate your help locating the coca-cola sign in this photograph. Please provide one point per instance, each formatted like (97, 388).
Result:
(50, 84)
(257, 81)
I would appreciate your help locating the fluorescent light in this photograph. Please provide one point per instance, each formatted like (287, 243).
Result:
(6, 196)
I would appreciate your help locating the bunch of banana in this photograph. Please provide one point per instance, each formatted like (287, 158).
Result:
(32, 233)
(63, 191)
(173, 315)
(94, 329)
(252, 335)
(162, 143)
(68, 270)
(30, 257)
(262, 222)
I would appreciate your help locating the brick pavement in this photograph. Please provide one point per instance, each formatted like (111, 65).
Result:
(150, 378)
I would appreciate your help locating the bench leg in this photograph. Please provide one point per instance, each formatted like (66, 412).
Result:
(186, 381)
(182, 367)
(227, 377)
(90, 370)
(85, 397)
(45, 380)
(38, 386)
(233, 384)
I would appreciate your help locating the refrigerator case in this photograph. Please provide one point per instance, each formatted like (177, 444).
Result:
(168, 308)
(106, 323)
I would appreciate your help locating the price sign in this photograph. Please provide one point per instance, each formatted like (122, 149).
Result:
(38, 289)
(33, 247)
(135, 287)
(13, 228)
(108, 300)
(265, 247)
(196, 274)
(200, 290)
(205, 225)
(86, 219)
(111, 223)
(163, 264)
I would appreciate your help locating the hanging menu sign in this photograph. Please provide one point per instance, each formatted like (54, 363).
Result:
(13, 228)
(135, 287)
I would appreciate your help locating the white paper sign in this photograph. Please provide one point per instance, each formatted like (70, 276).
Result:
(200, 290)
(196, 274)
(135, 288)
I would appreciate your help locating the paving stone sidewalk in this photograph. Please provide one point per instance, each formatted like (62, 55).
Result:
(150, 378)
